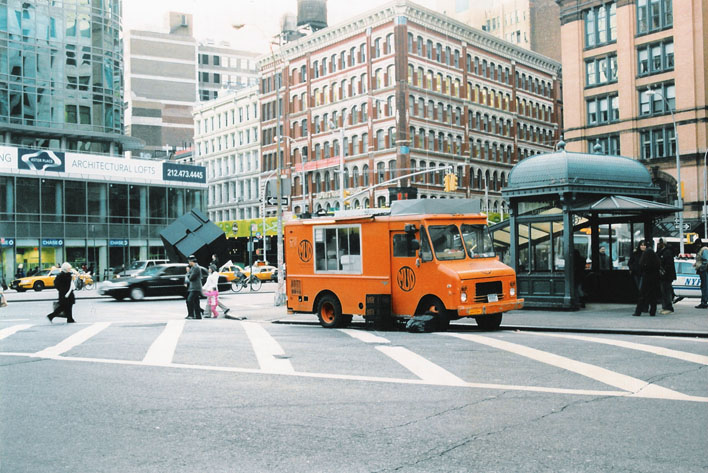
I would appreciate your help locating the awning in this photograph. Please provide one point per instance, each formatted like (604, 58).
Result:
(620, 204)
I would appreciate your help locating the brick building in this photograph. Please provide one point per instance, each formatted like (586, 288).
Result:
(413, 90)
(614, 53)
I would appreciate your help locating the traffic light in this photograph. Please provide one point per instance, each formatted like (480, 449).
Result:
(347, 193)
(450, 181)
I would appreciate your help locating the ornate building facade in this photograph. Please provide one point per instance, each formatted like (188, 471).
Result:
(402, 89)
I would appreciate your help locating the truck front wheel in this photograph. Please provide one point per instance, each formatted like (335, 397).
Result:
(489, 321)
(329, 311)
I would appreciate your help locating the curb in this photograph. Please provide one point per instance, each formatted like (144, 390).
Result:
(528, 328)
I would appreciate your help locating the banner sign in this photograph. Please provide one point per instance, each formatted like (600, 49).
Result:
(71, 165)
(53, 242)
(183, 173)
(7, 242)
(118, 243)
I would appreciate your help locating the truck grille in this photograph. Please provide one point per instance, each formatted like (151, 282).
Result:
(483, 289)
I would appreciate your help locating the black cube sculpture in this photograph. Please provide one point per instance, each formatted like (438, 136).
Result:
(193, 234)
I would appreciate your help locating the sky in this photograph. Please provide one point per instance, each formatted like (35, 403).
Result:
(213, 19)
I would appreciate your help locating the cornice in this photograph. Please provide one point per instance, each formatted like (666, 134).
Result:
(421, 16)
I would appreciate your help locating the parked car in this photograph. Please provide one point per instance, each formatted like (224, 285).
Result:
(44, 280)
(687, 283)
(157, 280)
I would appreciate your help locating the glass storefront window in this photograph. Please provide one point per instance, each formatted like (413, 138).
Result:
(97, 202)
(75, 197)
(138, 205)
(175, 198)
(158, 205)
(118, 203)
(52, 203)
(7, 199)
(28, 205)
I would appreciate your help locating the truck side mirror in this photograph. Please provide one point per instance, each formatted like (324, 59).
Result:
(410, 228)
(414, 245)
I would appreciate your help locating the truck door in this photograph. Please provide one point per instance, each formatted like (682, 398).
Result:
(409, 277)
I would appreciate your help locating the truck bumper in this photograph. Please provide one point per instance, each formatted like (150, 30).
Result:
(490, 308)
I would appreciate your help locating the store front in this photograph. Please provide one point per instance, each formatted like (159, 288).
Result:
(93, 211)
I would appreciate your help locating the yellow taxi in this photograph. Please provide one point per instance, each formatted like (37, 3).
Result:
(264, 273)
(44, 279)
(230, 271)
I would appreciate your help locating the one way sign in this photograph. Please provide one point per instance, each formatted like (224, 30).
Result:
(274, 200)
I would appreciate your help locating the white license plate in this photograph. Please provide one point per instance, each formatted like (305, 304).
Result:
(492, 298)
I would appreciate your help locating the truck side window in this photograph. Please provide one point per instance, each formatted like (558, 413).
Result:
(425, 253)
(402, 246)
(338, 249)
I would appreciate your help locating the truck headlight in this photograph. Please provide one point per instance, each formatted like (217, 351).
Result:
(512, 291)
(463, 296)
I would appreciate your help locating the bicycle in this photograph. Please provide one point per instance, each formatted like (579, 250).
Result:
(243, 282)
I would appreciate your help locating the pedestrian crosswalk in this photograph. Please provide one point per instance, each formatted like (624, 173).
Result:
(455, 360)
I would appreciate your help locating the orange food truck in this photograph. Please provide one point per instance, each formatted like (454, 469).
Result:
(427, 256)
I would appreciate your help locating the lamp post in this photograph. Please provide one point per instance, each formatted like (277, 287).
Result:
(280, 292)
(304, 189)
(678, 166)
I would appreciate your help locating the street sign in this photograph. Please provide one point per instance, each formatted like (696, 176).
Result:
(274, 201)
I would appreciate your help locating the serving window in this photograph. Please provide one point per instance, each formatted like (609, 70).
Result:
(338, 249)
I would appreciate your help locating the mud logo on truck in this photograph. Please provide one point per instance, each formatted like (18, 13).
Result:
(406, 279)
(304, 251)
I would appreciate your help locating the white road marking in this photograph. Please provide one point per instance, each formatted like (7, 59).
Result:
(681, 355)
(13, 320)
(635, 387)
(366, 337)
(163, 348)
(6, 332)
(371, 379)
(76, 339)
(267, 349)
(421, 367)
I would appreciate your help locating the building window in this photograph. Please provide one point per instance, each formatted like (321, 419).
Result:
(657, 142)
(655, 58)
(654, 15)
(600, 25)
(654, 104)
(610, 144)
(601, 70)
(602, 109)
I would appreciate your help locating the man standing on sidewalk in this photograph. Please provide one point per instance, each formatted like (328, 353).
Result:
(701, 266)
(194, 289)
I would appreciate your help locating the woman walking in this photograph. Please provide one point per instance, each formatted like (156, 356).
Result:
(649, 287)
(65, 286)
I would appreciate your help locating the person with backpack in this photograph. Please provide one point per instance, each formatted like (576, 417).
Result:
(667, 274)
(701, 266)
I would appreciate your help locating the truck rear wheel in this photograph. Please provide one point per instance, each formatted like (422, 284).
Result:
(436, 308)
(329, 311)
(489, 321)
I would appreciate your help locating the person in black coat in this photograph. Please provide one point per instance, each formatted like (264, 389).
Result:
(649, 266)
(64, 285)
(667, 274)
(634, 268)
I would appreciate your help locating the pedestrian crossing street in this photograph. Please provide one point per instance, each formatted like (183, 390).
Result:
(555, 363)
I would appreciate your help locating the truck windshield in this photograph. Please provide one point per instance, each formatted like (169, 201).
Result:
(446, 242)
(477, 241)
(138, 265)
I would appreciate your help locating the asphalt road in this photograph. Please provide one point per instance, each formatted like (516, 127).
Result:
(134, 387)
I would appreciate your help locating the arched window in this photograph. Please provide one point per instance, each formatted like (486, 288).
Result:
(380, 172)
(318, 182)
(389, 43)
(327, 182)
(365, 175)
(355, 177)
(429, 49)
